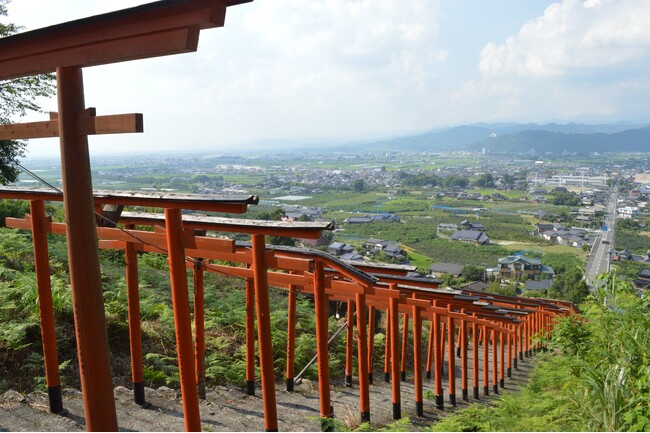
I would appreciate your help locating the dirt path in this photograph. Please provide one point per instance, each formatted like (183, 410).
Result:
(230, 409)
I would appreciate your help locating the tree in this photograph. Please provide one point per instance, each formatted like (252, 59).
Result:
(17, 98)
(570, 286)
(485, 181)
(473, 273)
(358, 185)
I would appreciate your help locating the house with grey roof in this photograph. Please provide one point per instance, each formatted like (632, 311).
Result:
(376, 246)
(339, 248)
(439, 269)
(470, 236)
(515, 267)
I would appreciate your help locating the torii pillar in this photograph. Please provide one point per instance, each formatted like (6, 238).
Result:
(85, 278)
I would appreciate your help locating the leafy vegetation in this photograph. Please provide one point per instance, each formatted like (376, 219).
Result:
(594, 378)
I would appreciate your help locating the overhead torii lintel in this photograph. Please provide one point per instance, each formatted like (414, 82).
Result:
(151, 30)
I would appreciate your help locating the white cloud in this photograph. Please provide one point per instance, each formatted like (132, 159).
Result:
(573, 37)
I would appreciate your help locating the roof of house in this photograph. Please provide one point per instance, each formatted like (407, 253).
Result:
(644, 273)
(476, 285)
(521, 259)
(469, 235)
(538, 284)
(447, 268)
(392, 247)
(351, 256)
(358, 220)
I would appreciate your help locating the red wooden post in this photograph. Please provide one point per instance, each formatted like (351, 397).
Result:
(495, 365)
(438, 359)
(430, 349)
(486, 365)
(135, 330)
(463, 354)
(85, 280)
(417, 361)
(46, 310)
(443, 335)
(371, 340)
(260, 282)
(387, 346)
(405, 339)
(475, 353)
(528, 333)
(362, 357)
(451, 362)
(517, 345)
(250, 336)
(349, 337)
(182, 322)
(501, 335)
(199, 325)
(291, 336)
(394, 346)
(320, 306)
(510, 341)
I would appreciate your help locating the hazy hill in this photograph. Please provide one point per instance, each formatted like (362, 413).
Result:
(523, 138)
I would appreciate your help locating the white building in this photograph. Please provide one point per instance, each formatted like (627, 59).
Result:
(627, 211)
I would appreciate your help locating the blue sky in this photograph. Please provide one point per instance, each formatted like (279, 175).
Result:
(346, 69)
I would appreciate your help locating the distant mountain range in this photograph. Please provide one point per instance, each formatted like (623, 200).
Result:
(522, 138)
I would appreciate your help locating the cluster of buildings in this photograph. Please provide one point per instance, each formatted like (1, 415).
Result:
(556, 233)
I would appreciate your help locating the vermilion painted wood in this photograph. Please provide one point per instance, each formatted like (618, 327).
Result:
(234, 204)
(362, 357)
(291, 334)
(451, 362)
(135, 330)
(46, 310)
(349, 337)
(112, 37)
(182, 320)
(437, 358)
(387, 346)
(405, 339)
(113, 124)
(320, 306)
(199, 325)
(85, 281)
(260, 282)
(371, 340)
(430, 350)
(394, 355)
(463, 354)
(486, 365)
(502, 337)
(417, 359)
(495, 359)
(250, 334)
(475, 353)
(298, 229)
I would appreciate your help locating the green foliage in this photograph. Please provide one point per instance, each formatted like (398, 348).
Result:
(12, 208)
(596, 377)
(570, 286)
(161, 370)
(485, 181)
(565, 198)
(628, 236)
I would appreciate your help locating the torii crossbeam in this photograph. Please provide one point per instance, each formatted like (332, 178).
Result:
(151, 30)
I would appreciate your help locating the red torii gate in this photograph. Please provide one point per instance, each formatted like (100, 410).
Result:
(156, 29)
(337, 280)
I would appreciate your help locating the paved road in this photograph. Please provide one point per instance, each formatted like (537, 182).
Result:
(599, 258)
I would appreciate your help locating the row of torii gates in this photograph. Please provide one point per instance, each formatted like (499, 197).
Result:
(507, 324)
(172, 27)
